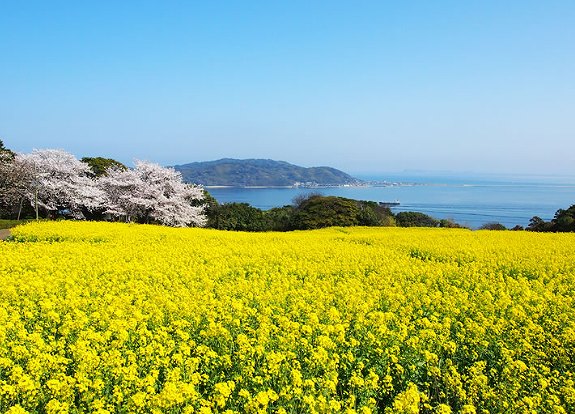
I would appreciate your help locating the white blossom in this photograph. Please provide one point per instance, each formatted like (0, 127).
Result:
(59, 181)
(152, 193)
(15, 180)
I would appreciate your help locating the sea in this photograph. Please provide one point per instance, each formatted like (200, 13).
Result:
(468, 199)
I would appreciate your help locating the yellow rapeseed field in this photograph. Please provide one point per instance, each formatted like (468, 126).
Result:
(98, 317)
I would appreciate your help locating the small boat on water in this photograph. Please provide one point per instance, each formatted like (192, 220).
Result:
(389, 203)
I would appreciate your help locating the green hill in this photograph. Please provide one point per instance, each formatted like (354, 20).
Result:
(260, 172)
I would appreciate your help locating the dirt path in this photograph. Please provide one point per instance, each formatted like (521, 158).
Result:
(4, 233)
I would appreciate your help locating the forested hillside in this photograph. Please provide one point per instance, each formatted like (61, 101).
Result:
(257, 172)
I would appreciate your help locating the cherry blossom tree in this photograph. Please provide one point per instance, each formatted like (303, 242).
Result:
(12, 183)
(57, 181)
(119, 187)
(15, 182)
(151, 192)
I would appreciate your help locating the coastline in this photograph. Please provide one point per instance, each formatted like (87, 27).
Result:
(313, 186)
(465, 200)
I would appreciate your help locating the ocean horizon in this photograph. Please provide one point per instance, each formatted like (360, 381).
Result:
(471, 200)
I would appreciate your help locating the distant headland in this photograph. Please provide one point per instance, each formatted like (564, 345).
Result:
(231, 172)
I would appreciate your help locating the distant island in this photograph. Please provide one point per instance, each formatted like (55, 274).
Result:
(262, 173)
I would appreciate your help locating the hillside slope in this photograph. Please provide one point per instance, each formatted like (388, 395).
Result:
(260, 172)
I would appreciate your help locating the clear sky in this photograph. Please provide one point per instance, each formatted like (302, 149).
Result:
(364, 86)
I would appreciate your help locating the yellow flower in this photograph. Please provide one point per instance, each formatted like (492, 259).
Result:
(16, 409)
(407, 402)
(137, 318)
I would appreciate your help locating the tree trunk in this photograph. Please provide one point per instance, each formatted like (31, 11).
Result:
(36, 203)
(20, 208)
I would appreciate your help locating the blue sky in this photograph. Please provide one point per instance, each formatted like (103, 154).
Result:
(364, 86)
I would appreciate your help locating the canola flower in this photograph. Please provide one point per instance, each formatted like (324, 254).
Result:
(108, 317)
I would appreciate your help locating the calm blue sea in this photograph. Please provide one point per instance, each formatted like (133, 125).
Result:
(468, 200)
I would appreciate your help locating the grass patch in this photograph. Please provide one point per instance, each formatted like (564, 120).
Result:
(8, 224)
